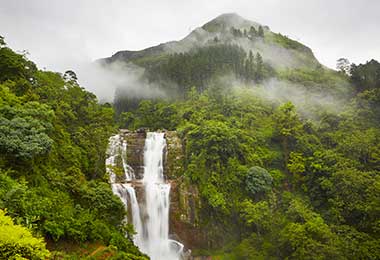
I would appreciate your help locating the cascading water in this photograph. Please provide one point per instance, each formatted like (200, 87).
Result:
(153, 230)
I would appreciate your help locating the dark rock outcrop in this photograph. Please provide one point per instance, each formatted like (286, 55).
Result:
(135, 151)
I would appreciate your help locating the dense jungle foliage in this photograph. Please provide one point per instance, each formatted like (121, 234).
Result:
(53, 140)
(275, 183)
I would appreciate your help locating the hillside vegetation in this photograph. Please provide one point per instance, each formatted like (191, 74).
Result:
(275, 184)
(53, 140)
(228, 50)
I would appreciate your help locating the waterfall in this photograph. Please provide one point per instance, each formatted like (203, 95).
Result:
(152, 227)
(136, 219)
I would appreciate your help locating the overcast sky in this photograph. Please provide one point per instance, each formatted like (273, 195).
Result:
(61, 34)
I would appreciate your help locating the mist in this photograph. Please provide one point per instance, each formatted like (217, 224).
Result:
(103, 81)
(307, 101)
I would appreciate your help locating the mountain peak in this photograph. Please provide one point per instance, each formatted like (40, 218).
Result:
(228, 20)
(229, 16)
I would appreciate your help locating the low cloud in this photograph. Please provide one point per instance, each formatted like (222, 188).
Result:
(105, 80)
(307, 101)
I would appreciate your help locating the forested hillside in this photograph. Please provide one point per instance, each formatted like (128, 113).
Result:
(228, 50)
(53, 140)
(275, 184)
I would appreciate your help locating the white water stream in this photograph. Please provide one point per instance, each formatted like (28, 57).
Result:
(153, 228)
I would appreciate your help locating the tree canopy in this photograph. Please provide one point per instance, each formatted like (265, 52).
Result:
(53, 183)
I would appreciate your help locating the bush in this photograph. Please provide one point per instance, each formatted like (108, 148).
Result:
(258, 181)
(16, 242)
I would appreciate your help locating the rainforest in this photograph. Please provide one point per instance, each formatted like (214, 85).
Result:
(234, 143)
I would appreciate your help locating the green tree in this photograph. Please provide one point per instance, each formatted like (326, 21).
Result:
(366, 76)
(306, 233)
(260, 31)
(258, 214)
(252, 32)
(296, 164)
(343, 65)
(258, 181)
(2, 42)
(288, 126)
(24, 130)
(259, 73)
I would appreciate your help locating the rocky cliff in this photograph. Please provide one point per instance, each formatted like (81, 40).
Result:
(185, 200)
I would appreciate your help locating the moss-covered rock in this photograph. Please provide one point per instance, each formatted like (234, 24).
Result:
(135, 151)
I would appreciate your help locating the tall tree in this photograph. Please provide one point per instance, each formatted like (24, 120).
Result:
(343, 65)
(2, 42)
(366, 76)
(259, 67)
(260, 32)
(252, 32)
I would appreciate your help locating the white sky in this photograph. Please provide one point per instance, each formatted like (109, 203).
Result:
(61, 34)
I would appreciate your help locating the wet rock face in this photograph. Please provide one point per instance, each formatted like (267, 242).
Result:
(184, 198)
(184, 215)
(135, 151)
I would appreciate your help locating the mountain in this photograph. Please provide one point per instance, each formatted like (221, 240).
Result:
(278, 50)
(230, 51)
